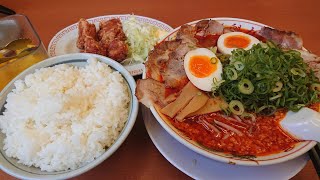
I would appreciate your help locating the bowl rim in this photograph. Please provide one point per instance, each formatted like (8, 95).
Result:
(134, 107)
(298, 151)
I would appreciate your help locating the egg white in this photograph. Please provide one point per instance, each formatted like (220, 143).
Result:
(204, 83)
(225, 50)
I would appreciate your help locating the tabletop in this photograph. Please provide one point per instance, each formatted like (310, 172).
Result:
(138, 158)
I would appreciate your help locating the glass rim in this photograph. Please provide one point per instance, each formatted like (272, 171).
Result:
(29, 22)
(39, 42)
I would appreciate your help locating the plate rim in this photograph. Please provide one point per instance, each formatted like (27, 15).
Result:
(306, 146)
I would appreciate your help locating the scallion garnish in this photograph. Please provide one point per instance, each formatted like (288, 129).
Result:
(266, 78)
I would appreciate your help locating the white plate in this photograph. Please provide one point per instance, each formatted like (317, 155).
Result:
(200, 167)
(64, 42)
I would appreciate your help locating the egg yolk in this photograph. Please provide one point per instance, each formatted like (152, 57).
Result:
(202, 66)
(237, 41)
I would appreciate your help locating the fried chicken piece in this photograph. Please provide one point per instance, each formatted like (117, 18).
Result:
(112, 38)
(85, 29)
(92, 46)
(117, 50)
(110, 30)
(108, 41)
(87, 38)
(110, 24)
(286, 39)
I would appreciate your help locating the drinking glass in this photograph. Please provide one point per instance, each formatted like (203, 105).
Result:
(15, 27)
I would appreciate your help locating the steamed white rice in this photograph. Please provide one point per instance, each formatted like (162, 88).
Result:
(61, 117)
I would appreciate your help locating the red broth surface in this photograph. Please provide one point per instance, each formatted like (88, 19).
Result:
(262, 137)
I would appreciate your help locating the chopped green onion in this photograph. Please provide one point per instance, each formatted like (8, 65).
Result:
(231, 74)
(236, 107)
(248, 115)
(238, 65)
(299, 72)
(226, 111)
(290, 85)
(267, 110)
(215, 85)
(265, 78)
(245, 86)
(275, 97)
(297, 107)
(224, 58)
(213, 60)
(301, 90)
(262, 87)
(278, 87)
(213, 49)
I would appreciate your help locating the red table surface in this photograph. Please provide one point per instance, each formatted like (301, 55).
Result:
(138, 158)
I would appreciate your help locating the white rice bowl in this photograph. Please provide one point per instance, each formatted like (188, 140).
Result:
(62, 117)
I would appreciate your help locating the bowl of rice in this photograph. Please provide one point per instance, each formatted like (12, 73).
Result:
(64, 116)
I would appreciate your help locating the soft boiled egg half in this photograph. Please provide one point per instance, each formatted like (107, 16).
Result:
(230, 41)
(201, 66)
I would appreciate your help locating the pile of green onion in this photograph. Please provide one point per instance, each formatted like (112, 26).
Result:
(266, 78)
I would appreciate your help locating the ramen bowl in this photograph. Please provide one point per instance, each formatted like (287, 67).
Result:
(297, 150)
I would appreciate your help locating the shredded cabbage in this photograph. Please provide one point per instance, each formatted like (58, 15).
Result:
(141, 37)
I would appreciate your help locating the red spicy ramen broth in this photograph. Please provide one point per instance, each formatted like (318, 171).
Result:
(262, 137)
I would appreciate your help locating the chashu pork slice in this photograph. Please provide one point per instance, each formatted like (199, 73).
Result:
(312, 60)
(158, 58)
(186, 33)
(286, 39)
(165, 61)
(150, 91)
(174, 75)
(209, 27)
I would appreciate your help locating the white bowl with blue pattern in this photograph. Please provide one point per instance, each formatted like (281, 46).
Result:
(11, 165)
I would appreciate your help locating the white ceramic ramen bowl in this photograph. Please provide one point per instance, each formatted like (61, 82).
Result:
(12, 167)
(299, 149)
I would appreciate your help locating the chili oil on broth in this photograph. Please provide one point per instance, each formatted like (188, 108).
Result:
(266, 138)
